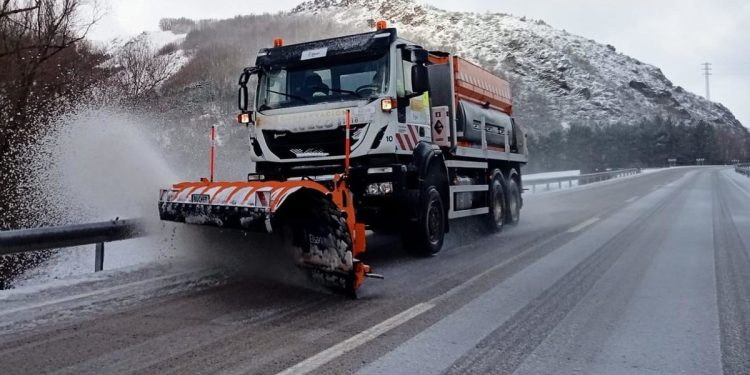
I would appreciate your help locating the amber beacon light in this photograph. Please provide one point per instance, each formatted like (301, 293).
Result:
(380, 25)
(278, 42)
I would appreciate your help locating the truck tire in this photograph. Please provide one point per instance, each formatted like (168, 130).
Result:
(425, 237)
(495, 218)
(514, 203)
(317, 226)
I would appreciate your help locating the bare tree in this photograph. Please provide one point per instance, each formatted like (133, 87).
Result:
(32, 32)
(142, 69)
(46, 66)
(8, 8)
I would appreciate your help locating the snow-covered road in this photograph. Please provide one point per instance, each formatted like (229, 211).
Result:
(646, 274)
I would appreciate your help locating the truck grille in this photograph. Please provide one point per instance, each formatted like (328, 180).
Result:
(287, 145)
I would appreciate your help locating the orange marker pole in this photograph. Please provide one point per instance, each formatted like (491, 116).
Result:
(347, 143)
(213, 153)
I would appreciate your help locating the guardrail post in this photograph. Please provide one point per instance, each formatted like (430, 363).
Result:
(559, 184)
(99, 257)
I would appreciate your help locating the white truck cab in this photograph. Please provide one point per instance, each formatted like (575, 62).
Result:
(304, 90)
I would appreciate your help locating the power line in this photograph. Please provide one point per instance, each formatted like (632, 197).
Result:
(707, 73)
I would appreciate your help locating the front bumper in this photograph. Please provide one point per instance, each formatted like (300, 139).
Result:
(247, 218)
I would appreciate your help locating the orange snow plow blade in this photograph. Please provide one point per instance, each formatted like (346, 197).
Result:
(320, 216)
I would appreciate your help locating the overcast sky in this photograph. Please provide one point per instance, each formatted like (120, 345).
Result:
(675, 35)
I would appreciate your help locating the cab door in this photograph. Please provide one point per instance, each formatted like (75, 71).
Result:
(413, 110)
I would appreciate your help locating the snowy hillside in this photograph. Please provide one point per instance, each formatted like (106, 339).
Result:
(558, 78)
(146, 60)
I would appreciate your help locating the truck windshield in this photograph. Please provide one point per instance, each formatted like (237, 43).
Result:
(281, 87)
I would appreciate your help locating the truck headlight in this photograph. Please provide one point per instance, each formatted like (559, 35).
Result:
(380, 188)
(386, 188)
(373, 189)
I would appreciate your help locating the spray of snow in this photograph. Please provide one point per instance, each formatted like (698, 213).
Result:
(101, 164)
(104, 166)
(93, 166)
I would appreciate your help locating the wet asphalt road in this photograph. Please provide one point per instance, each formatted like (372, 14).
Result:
(644, 275)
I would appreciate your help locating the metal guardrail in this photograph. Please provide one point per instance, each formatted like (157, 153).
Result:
(581, 179)
(742, 169)
(35, 239)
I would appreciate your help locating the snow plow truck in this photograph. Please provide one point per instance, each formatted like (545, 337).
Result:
(365, 131)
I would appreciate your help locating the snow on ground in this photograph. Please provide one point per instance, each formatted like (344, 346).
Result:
(531, 188)
(539, 176)
(70, 263)
(88, 170)
(155, 40)
(528, 181)
(74, 298)
(160, 39)
(739, 180)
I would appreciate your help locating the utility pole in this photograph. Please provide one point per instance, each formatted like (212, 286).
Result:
(707, 73)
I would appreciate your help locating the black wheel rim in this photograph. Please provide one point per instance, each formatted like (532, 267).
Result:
(434, 221)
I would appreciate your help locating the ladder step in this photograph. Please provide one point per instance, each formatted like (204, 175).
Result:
(467, 188)
(469, 212)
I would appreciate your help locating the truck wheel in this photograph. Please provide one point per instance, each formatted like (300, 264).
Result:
(426, 237)
(514, 203)
(320, 241)
(496, 216)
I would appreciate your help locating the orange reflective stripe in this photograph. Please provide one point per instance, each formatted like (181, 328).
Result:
(259, 185)
(279, 193)
(192, 190)
(236, 190)
(223, 186)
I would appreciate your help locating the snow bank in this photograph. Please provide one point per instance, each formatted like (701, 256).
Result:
(540, 176)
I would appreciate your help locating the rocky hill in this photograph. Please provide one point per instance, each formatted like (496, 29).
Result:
(559, 78)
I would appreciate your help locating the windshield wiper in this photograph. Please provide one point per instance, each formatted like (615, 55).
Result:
(288, 95)
(346, 92)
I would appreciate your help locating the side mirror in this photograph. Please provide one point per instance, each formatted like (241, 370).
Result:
(419, 56)
(242, 98)
(420, 81)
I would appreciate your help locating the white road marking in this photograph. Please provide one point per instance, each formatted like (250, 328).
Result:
(313, 363)
(632, 199)
(583, 225)
(464, 328)
(320, 359)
